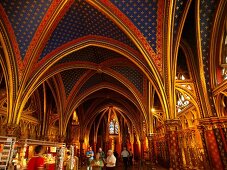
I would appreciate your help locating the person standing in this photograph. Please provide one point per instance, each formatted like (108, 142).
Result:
(110, 160)
(37, 161)
(130, 157)
(90, 157)
(101, 153)
(97, 163)
(116, 155)
(69, 162)
(125, 155)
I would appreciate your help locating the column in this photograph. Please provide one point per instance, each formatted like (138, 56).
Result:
(151, 143)
(106, 146)
(183, 147)
(81, 151)
(221, 142)
(141, 149)
(187, 148)
(204, 153)
(172, 127)
(215, 141)
(94, 147)
(194, 148)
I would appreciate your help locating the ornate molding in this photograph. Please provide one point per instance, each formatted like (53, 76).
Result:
(173, 125)
(213, 123)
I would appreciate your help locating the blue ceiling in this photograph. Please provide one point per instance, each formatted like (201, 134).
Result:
(100, 78)
(132, 74)
(91, 54)
(180, 6)
(25, 17)
(207, 11)
(143, 14)
(81, 20)
(70, 77)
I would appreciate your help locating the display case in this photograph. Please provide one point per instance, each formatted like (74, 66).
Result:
(53, 153)
(6, 151)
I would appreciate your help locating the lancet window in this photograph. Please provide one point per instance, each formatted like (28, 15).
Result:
(113, 127)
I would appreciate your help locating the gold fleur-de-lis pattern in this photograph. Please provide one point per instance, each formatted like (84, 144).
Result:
(81, 20)
(143, 13)
(25, 17)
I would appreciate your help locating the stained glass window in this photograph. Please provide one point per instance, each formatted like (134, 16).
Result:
(182, 101)
(224, 60)
(113, 127)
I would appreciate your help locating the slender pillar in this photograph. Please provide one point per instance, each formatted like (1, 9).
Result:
(141, 149)
(215, 141)
(204, 153)
(213, 149)
(151, 142)
(81, 150)
(95, 144)
(172, 127)
(221, 142)
(106, 146)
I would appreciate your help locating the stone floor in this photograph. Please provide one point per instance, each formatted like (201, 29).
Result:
(134, 167)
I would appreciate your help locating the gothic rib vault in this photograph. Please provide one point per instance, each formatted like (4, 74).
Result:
(154, 67)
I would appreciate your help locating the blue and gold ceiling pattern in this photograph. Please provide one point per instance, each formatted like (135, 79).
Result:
(25, 17)
(180, 6)
(143, 14)
(70, 77)
(133, 75)
(207, 11)
(81, 20)
(91, 54)
(92, 81)
(99, 78)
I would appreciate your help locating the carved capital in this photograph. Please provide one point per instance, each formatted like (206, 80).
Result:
(13, 130)
(213, 123)
(151, 136)
(173, 125)
(61, 138)
(44, 138)
(81, 141)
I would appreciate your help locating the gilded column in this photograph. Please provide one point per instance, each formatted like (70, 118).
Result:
(195, 148)
(213, 148)
(172, 127)
(142, 149)
(106, 146)
(81, 147)
(181, 137)
(81, 150)
(151, 142)
(94, 147)
(221, 142)
(214, 141)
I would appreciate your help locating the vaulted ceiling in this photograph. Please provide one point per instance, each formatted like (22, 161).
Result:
(90, 49)
(102, 54)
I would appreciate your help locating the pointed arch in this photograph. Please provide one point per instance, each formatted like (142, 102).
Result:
(9, 68)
